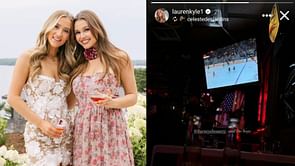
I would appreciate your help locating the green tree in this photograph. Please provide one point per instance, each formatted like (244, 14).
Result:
(140, 76)
(3, 125)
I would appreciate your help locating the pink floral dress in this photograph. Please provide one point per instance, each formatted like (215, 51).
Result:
(100, 134)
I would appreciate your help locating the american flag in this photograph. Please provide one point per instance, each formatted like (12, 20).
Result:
(238, 100)
(233, 101)
(227, 103)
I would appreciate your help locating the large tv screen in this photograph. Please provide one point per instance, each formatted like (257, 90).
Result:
(234, 64)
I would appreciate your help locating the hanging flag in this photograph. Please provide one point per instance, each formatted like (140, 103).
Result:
(221, 119)
(233, 101)
(228, 101)
(273, 23)
(238, 100)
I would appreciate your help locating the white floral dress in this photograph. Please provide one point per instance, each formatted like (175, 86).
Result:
(46, 97)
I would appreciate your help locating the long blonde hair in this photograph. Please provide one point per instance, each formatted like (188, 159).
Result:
(110, 55)
(64, 54)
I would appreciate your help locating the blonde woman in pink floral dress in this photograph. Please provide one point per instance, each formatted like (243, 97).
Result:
(100, 134)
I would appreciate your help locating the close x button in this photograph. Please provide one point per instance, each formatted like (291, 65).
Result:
(284, 15)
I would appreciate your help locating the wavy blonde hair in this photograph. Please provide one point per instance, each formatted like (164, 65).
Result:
(64, 54)
(110, 55)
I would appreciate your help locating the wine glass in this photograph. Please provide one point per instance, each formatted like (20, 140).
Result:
(98, 96)
(61, 125)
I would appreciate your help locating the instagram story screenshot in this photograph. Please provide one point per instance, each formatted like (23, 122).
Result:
(220, 83)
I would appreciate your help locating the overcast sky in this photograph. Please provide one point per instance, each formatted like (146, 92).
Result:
(22, 20)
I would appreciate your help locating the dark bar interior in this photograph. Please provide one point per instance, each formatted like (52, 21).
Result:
(247, 123)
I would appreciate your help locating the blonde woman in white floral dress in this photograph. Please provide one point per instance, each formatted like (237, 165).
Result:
(41, 75)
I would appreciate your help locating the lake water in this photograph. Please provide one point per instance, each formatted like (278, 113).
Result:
(6, 74)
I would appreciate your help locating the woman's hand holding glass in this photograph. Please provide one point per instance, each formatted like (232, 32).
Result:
(50, 130)
(100, 98)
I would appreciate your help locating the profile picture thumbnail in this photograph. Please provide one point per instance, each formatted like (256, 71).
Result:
(161, 15)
